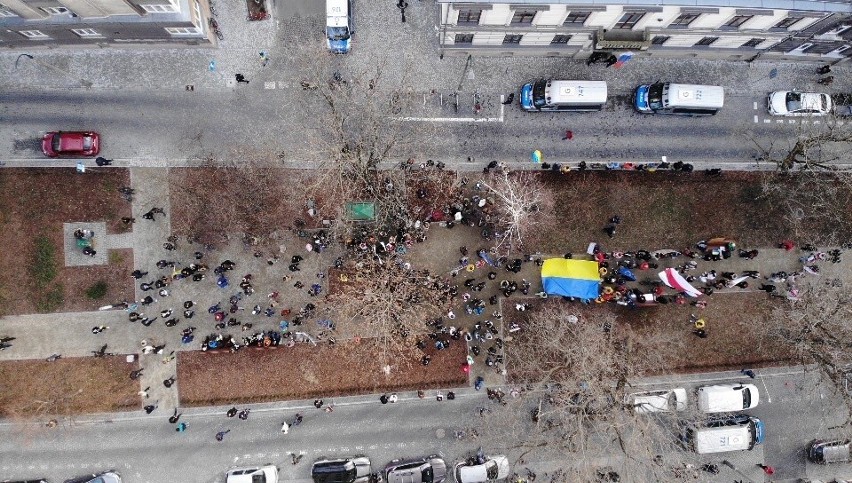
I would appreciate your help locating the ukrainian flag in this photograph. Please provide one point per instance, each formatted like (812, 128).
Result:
(571, 278)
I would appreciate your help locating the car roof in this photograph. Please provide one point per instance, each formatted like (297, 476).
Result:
(478, 473)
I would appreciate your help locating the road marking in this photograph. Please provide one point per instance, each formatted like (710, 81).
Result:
(767, 121)
(779, 121)
(805, 121)
(458, 119)
(816, 122)
(766, 390)
(791, 121)
(755, 118)
(755, 105)
(269, 85)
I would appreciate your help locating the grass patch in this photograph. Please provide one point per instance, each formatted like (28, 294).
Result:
(254, 375)
(98, 290)
(41, 389)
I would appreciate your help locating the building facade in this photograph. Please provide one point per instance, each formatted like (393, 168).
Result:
(723, 29)
(52, 23)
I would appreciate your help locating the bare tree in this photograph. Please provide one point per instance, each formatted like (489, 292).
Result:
(815, 325)
(521, 204)
(574, 374)
(386, 299)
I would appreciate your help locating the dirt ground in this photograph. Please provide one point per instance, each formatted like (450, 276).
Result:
(735, 324)
(37, 202)
(304, 372)
(664, 210)
(67, 387)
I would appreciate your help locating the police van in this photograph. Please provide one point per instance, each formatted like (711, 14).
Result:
(563, 95)
(679, 99)
(338, 25)
(731, 434)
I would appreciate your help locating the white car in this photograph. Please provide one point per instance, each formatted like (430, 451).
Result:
(724, 398)
(666, 400)
(495, 468)
(253, 474)
(792, 103)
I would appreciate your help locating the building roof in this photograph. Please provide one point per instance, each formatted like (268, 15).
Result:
(840, 6)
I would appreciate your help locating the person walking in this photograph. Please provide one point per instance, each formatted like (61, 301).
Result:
(221, 434)
(241, 79)
(150, 408)
(318, 403)
(285, 427)
(128, 220)
(168, 382)
(101, 161)
(137, 274)
(244, 414)
(393, 398)
(569, 135)
(384, 398)
(509, 99)
(181, 427)
(749, 373)
(134, 375)
(174, 417)
(767, 469)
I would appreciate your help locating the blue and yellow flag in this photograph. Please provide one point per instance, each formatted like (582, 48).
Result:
(571, 278)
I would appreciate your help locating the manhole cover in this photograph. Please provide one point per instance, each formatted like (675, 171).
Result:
(440, 433)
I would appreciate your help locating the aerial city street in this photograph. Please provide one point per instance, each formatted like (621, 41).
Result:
(340, 241)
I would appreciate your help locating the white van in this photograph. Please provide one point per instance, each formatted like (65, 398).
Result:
(724, 398)
(679, 99)
(338, 25)
(735, 434)
(254, 474)
(563, 95)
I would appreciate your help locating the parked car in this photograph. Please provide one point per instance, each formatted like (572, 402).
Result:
(495, 468)
(428, 469)
(842, 104)
(792, 103)
(37, 480)
(723, 398)
(666, 400)
(735, 433)
(253, 474)
(354, 469)
(105, 477)
(831, 451)
(71, 143)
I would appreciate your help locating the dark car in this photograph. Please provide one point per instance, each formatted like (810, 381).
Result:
(834, 451)
(71, 143)
(355, 469)
(105, 477)
(37, 480)
(428, 469)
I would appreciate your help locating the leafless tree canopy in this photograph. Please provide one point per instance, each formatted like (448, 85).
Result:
(817, 327)
(576, 374)
(521, 205)
(388, 300)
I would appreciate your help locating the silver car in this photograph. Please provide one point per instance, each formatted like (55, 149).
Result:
(428, 469)
(105, 477)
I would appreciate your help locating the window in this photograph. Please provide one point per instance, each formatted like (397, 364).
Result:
(464, 38)
(629, 20)
(470, 16)
(159, 8)
(523, 16)
(786, 23)
(512, 39)
(707, 41)
(86, 33)
(198, 16)
(5, 12)
(55, 10)
(34, 34)
(560, 39)
(684, 19)
(576, 18)
(183, 30)
(738, 20)
(753, 43)
(659, 39)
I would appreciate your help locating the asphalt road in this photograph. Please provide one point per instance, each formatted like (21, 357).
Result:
(147, 449)
(158, 127)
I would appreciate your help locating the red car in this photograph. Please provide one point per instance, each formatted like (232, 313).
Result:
(56, 144)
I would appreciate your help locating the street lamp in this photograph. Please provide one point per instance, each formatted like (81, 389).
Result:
(84, 82)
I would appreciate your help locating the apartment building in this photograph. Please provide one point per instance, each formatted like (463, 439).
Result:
(52, 23)
(723, 29)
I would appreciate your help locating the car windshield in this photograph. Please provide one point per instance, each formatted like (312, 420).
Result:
(491, 470)
(54, 143)
(655, 96)
(426, 475)
(794, 101)
(538, 93)
(746, 398)
(338, 33)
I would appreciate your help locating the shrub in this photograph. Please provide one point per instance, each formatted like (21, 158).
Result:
(97, 291)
